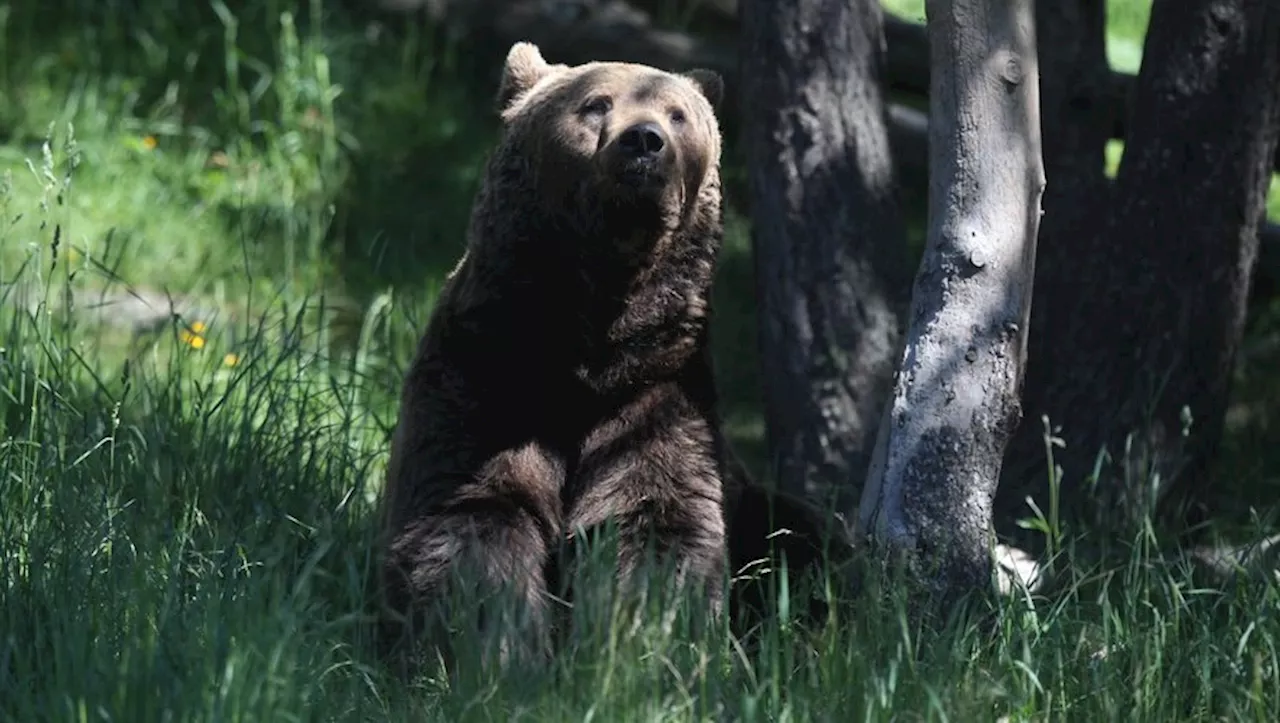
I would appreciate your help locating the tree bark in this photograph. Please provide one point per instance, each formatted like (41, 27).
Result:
(1076, 123)
(1168, 279)
(829, 240)
(955, 401)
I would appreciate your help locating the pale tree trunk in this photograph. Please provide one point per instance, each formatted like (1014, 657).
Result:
(955, 401)
(1076, 121)
(830, 252)
(1158, 314)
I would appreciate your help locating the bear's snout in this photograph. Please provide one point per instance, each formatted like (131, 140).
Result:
(642, 141)
(640, 157)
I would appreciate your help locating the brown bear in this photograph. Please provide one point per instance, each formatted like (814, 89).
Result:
(564, 379)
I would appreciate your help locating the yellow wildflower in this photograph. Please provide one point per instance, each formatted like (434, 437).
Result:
(193, 335)
(149, 143)
(230, 360)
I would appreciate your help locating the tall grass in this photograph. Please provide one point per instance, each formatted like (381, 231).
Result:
(186, 501)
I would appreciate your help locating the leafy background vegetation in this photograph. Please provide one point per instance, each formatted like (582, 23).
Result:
(185, 507)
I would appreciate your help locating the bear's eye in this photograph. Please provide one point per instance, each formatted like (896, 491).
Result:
(597, 106)
(677, 117)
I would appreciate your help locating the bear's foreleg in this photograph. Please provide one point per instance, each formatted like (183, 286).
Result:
(474, 564)
(658, 485)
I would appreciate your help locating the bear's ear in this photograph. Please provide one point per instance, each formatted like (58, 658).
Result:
(710, 83)
(524, 68)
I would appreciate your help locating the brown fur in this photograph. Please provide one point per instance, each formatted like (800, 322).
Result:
(563, 380)
(768, 529)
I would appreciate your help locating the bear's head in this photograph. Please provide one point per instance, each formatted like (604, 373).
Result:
(614, 135)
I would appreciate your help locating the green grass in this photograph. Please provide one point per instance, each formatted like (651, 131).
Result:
(186, 508)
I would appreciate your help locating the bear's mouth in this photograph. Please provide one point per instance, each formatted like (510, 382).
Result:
(640, 174)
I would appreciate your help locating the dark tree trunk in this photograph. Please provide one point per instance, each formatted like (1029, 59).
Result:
(1075, 90)
(831, 266)
(956, 397)
(1076, 123)
(1161, 298)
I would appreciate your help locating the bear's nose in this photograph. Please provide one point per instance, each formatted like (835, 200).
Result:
(642, 140)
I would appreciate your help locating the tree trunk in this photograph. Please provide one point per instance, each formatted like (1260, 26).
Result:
(1162, 299)
(1077, 115)
(830, 247)
(955, 400)
(1076, 123)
